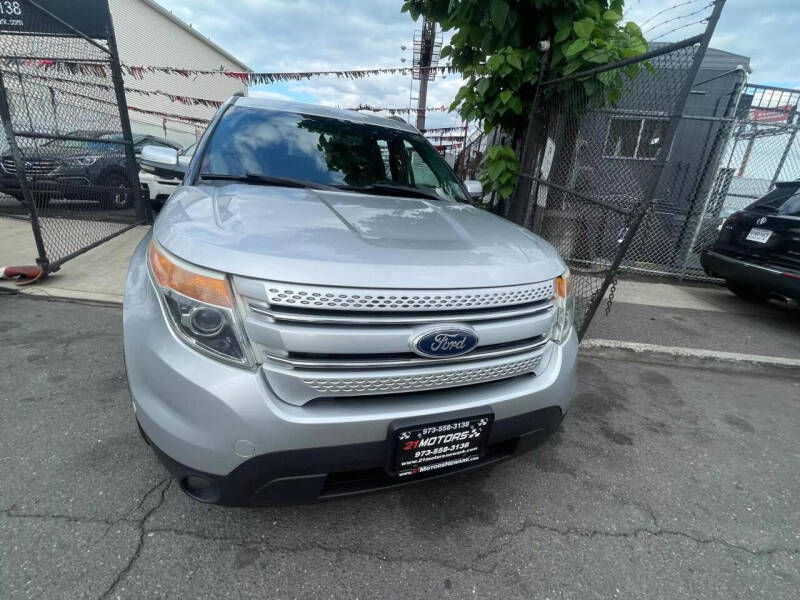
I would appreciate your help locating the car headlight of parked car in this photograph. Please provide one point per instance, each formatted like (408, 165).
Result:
(564, 306)
(200, 307)
(81, 161)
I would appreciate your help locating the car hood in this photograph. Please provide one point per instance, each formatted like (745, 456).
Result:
(55, 154)
(349, 239)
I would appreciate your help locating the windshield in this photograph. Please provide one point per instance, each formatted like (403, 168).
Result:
(326, 151)
(783, 200)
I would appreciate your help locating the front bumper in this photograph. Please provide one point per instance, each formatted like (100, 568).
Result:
(225, 423)
(779, 280)
(157, 189)
(61, 186)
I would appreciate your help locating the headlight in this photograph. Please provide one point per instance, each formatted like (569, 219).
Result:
(565, 308)
(200, 307)
(81, 161)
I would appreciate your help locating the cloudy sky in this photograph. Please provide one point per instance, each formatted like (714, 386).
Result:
(299, 35)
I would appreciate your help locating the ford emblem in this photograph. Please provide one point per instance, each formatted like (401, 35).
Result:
(444, 342)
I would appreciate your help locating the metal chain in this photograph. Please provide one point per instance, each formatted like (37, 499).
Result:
(611, 291)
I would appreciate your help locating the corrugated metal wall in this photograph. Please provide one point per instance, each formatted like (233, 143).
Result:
(147, 37)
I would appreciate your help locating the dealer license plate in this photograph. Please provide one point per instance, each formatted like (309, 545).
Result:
(758, 235)
(426, 448)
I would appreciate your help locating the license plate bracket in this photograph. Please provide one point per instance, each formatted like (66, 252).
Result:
(430, 447)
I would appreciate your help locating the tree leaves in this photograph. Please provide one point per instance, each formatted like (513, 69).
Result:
(495, 47)
(575, 47)
(514, 60)
(563, 34)
(584, 28)
(498, 11)
(501, 172)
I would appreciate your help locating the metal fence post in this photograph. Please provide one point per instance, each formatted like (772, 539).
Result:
(532, 153)
(658, 164)
(142, 208)
(27, 195)
(787, 149)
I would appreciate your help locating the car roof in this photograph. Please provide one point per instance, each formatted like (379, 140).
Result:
(324, 111)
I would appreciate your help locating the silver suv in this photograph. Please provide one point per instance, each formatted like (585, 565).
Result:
(320, 312)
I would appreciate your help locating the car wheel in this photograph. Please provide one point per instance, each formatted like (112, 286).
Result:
(748, 293)
(116, 200)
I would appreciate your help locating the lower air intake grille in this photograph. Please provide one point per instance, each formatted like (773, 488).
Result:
(418, 382)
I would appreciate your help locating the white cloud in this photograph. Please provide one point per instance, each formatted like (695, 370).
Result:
(297, 35)
(270, 95)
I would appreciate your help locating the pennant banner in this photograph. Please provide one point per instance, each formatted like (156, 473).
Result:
(188, 100)
(396, 111)
(433, 131)
(246, 77)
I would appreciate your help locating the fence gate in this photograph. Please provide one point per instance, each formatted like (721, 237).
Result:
(68, 163)
(575, 192)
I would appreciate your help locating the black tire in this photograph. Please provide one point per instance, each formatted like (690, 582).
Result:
(747, 292)
(112, 200)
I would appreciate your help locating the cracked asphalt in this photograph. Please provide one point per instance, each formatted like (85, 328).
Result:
(664, 482)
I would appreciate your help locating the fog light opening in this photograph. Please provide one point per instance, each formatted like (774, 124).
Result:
(200, 488)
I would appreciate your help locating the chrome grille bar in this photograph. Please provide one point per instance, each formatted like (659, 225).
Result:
(408, 319)
(32, 167)
(344, 363)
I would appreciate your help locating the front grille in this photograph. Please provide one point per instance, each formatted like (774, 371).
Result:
(416, 382)
(319, 341)
(32, 166)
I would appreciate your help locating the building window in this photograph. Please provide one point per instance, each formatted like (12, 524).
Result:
(635, 138)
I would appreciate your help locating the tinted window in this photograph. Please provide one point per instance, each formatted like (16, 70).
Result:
(783, 200)
(324, 150)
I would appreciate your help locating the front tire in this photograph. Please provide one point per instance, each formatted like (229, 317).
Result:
(747, 292)
(112, 199)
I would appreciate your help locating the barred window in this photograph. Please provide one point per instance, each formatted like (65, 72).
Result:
(635, 138)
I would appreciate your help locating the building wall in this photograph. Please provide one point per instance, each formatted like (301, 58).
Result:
(147, 37)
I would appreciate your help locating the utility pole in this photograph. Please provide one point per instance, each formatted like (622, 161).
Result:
(426, 59)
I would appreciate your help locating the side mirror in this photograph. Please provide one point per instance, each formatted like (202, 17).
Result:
(474, 188)
(160, 154)
(162, 161)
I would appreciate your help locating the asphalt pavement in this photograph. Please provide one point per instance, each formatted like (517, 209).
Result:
(731, 324)
(663, 482)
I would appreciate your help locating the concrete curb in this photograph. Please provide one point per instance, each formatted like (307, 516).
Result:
(61, 294)
(690, 357)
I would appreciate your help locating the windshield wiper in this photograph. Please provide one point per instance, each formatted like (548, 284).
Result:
(392, 189)
(258, 179)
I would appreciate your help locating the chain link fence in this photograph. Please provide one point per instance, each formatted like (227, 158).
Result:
(601, 162)
(737, 140)
(67, 161)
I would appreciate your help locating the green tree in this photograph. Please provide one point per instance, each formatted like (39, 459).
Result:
(496, 48)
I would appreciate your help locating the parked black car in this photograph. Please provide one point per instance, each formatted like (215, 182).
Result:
(77, 169)
(757, 251)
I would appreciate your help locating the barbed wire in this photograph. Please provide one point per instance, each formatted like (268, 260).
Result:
(705, 20)
(680, 17)
(673, 7)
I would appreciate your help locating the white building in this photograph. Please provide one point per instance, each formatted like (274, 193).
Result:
(148, 34)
